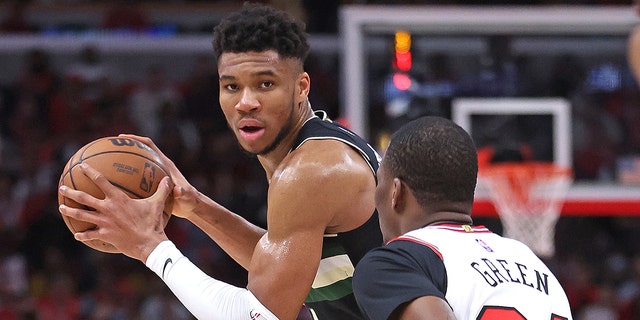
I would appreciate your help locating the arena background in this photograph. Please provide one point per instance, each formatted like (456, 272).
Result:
(73, 71)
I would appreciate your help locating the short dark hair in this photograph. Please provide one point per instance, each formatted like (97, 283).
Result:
(259, 28)
(436, 159)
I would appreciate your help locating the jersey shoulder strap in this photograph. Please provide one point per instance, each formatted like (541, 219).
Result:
(320, 127)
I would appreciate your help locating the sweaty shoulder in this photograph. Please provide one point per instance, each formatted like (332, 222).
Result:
(332, 177)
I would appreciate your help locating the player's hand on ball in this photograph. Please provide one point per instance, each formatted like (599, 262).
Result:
(185, 195)
(133, 226)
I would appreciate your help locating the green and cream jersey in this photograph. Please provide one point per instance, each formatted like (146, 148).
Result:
(331, 295)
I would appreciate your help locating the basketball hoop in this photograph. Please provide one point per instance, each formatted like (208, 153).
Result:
(528, 197)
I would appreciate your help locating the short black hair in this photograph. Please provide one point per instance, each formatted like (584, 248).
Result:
(258, 28)
(436, 159)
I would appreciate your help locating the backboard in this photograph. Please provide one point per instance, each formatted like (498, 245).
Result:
(544, 124)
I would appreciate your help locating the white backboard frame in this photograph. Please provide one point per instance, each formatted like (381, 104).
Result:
(560, 109)
(357, 20)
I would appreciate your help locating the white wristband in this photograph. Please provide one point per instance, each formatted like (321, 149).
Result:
(204, 296)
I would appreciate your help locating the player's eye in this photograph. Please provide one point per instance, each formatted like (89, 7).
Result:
(266, 84)
(231, 87)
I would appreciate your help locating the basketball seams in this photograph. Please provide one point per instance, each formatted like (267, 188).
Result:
(155, 161)
(69, 172)
(88, 146)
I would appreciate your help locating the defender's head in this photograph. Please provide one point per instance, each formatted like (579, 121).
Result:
(429, 170)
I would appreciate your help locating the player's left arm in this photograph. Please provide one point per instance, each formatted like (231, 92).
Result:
(316, 190)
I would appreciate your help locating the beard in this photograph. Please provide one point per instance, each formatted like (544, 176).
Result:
(284, 132)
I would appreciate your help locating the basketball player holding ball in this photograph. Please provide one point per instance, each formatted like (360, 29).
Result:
(320, 209)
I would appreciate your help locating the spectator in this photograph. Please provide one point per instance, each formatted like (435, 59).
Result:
(16, 19)
(60, 300)
(201, 96)
(603, 308)
(10, 201)
(147, 101)
(125, 15)
(91, 71)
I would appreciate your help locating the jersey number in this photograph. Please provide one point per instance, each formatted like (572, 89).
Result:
(506, 313)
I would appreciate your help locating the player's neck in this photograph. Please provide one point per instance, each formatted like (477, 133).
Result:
(446, 222)
(447, 218)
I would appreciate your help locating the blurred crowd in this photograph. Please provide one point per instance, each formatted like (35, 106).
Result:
(48, 112)
(320, 16)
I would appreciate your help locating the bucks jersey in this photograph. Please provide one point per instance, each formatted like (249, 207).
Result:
(331, 296)
(482, 275)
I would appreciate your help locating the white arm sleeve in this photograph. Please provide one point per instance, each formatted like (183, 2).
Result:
(204, 296)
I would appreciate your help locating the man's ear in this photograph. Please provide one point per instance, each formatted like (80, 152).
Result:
(398, 196)
(303, 86)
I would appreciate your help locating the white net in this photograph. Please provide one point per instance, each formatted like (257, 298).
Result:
(528, 198)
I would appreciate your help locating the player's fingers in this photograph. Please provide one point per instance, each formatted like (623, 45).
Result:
(79, 196)
(177, 176)
(79, 214)
(146, 140)
(100, 180)
(164, 189)
(175, 173)
(87, 235)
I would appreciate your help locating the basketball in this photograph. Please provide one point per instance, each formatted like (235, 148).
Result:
(128, 164)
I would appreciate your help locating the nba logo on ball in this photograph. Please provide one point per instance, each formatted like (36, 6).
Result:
(148, 175)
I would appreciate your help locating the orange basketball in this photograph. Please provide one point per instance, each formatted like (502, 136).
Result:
(128, 164)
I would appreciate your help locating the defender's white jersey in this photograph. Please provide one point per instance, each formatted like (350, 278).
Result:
(492, 277)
